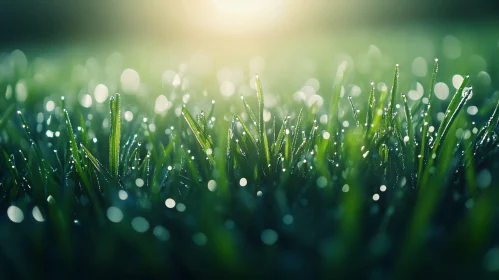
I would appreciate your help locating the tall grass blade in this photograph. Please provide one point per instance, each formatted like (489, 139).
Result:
(114, 137)
(6, 115)
(370, 109)
(202, 139)
(79, 169)
(355, 111)
(250, 113)
(264, 144)
(391, 103)
(455, 106)
(426, 122)
(410, 144)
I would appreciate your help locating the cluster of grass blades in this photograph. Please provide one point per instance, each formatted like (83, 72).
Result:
(239, 192)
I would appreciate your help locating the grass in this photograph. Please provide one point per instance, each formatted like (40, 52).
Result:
(298, 189)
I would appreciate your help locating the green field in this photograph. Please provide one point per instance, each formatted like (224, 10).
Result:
(316, 157)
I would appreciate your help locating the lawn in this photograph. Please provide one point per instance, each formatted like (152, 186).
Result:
(358, 154)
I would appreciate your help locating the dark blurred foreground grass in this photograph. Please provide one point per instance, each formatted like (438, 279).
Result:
(319, 172)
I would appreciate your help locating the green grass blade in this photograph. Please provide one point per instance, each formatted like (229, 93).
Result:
(248, 133)
(296, 131)
(250, 112)
(79, 169)
(264, 144)
(426, 122)
(277, 146)
(13, 172)
(6, 115)
(99, 166)
(455, 106)
(410, 145)
(370, 109)
(391, 103)
(198, 133)
(114, 137)
(212, 110)
(335, 99)
(469, 165)
(491, 125)
(355, 111)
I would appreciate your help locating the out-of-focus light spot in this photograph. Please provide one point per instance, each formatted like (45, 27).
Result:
(140, 224)
(441, 91)
(139, 182)
(416, 94)
(484, 78)
(200, 239)
(243, 182)
(101, 93)
(170, 203)
(162, 104)
(469, 203)
(315, 100)
(130, 80)
(483, 179)
(382, 188)
(266, 115)
(181, 207)
(128, 116)
(122, 194)
(440, 116)
(269, 236)
(50, 106)
(472, 110)
(419, 67)
(346, 124)
(227, 88)
(15, 214)
(355, 90)
(114, 214)
(457, 80)
(323, 119)
(326, 135)
(345, 188)
(376, 197)
(21, 91)
(161, 233)
(321, 182)
(287, 219)
(491, 260)
(212, 185)
(86, 100)
(37, 214)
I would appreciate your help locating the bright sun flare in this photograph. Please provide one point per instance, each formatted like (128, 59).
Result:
(248, 8)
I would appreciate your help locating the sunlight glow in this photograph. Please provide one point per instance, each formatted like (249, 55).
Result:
(236, 16)
(244, 8)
